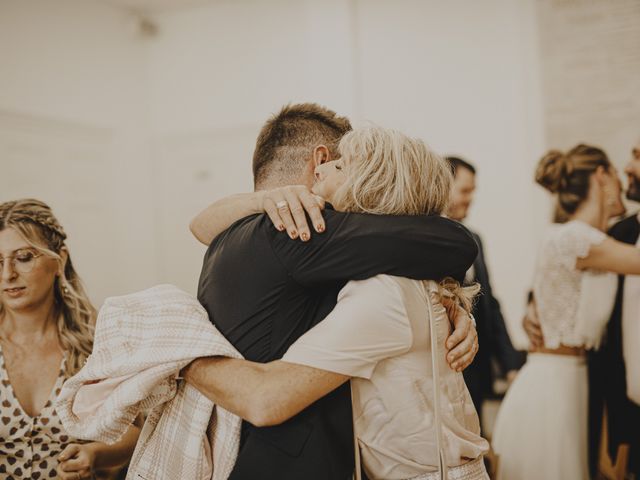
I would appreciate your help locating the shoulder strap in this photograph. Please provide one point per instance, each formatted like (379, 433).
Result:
(435, 360)
(442, 461)
(358, 464)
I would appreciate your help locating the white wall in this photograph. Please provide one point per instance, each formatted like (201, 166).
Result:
(216, 74)
(591, 74)
(172, 119)
(73, 132)
(461, 75)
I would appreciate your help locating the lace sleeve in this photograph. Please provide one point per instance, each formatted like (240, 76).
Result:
(574, 241)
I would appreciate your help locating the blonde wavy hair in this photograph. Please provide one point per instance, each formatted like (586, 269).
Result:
(389, 173)
(76, 316)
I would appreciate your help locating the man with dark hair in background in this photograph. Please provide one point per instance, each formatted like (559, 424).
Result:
(263, 290)
(493, 337)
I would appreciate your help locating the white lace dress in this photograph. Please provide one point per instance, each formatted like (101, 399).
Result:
(541, 428)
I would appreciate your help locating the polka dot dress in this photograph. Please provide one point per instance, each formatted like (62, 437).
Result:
(29, 446)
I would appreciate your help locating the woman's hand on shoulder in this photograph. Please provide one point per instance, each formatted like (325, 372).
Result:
(286, 207)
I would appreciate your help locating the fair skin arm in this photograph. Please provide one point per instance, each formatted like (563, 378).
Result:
(269, 394)
(82, 460)
(613, 256)
(220, 215)
(263, 394)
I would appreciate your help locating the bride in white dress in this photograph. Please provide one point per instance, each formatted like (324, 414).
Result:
(541, 428)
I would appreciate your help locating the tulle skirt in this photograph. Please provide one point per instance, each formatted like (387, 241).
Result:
(541, 428)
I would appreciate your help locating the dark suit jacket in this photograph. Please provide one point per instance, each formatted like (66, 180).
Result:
(263, 291)
(607, 377)
(493, 337)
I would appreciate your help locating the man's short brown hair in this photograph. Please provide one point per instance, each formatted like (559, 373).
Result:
(290, 136)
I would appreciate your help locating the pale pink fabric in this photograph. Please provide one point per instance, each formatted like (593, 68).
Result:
(142, 341)
(91, 396)
(379, 333)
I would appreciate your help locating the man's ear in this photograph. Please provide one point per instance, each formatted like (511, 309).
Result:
(321, 155)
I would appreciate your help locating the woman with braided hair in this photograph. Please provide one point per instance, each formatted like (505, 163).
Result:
(541, 428)
(46, 334)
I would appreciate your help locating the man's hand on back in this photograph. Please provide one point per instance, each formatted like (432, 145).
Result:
(462, 344)
(532, 327)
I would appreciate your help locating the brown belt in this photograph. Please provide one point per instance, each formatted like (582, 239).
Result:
(561, 350)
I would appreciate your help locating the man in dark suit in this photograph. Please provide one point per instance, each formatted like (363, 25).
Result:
(264, 290)
(608, 373)
(493, 337)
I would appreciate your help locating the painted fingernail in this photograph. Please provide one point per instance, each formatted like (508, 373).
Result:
(280, 227)
(319, 228)
(304, 236)
(293, 234)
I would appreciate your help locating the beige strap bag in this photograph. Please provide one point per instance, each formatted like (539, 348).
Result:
(442, 462)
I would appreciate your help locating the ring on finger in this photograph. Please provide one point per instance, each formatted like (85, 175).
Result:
(282, 204)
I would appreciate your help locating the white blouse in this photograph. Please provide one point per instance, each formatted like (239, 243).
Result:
(379, 333)
(565, 295)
